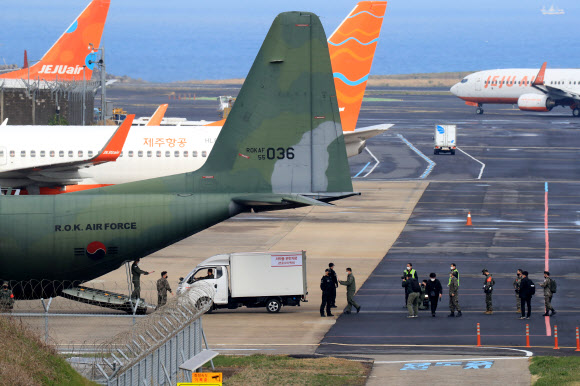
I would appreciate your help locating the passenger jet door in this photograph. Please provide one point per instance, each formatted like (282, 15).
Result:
(478, 84)
(3, 156)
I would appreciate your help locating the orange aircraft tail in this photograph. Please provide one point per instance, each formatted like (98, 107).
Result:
(352, 48)
(74, 51)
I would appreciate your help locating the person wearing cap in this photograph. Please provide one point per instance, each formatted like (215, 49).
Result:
(549, 286)
(162, 288)
(454, 295)
(488, 284)
(6, 298)
(327, 286)
(334, 278)
(350, 284)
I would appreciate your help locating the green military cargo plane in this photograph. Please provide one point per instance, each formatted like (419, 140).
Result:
(281, 147)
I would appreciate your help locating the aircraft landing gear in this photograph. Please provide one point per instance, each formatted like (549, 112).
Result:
(479, 110)
(576, 112)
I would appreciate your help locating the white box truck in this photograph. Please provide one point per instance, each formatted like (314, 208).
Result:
(445, 139)
(252, 279)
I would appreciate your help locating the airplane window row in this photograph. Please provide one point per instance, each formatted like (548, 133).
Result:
(90, 153)
(159, 153)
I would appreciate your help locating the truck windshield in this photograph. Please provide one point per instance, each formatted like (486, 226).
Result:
(205, 274)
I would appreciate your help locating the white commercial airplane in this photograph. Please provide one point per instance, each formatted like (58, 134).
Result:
(60, 159)
(529, 89)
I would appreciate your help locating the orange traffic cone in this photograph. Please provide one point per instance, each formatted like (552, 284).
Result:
(469, 219)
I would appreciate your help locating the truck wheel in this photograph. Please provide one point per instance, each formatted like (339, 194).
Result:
(202, 302)
(273, 305)
(453, 152)
(435, 151)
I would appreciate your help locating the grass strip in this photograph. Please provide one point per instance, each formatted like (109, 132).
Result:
(285, 370)
(555, 370)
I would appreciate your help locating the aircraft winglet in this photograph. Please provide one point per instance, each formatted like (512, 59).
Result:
(539, 81)
(158, 115)
(113, 148)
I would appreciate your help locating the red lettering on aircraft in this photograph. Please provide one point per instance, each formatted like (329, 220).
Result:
(487, 81)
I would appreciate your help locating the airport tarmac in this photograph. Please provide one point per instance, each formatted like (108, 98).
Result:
(506, 157)
(507, 160)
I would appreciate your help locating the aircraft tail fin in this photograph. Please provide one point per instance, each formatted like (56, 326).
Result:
(283, 134)
(352, 48)
(74, 49)
(158, 115)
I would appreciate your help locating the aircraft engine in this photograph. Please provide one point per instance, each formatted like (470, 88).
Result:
(535, 102)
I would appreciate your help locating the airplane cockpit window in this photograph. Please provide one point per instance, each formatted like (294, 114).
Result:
(464, 80)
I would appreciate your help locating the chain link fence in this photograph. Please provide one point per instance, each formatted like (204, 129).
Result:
(114, 339)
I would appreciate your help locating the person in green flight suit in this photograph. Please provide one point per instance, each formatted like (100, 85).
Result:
(136, 273)
(350, 290)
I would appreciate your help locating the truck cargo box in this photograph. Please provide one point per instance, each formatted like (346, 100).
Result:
(267, 274)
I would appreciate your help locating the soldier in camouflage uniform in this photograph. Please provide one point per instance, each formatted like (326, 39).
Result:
(454, 294)
(488, 284)
(517, 283)
(162, 289)
(6, 298)
(350, 290)
(547, 286)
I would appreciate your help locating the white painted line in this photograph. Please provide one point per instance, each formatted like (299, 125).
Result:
(447, 360)
(429, 161)
(372, 155)
(476, 160)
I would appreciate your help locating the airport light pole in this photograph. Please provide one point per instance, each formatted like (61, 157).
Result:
(84, 93)
(101, 64)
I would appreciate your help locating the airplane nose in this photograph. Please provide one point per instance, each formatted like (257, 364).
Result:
(454, 89)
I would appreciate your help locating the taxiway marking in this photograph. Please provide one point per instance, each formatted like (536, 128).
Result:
(476, 160)
(427, 159)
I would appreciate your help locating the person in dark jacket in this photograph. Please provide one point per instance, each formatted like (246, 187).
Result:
(335, 281)
(434, 291)
(413, 291)
(526, 293)
(327, 286)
